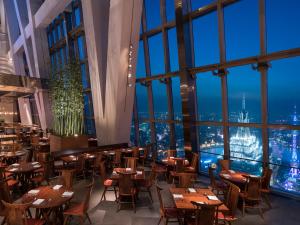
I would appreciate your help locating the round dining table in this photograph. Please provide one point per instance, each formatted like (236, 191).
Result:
(48, 200)
(236, 177)
(10, 157)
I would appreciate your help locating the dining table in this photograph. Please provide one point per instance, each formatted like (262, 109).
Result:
(236, 177)
(5, 137)
(171, 161)
(48, 201)
(137, 175)
(10, 157)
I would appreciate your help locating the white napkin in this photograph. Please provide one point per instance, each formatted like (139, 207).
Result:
(172, 157)
(226, 175)
(67, 194)
(16, 164)
(178, 196)
(114, 173)
(139, 172)
(35, 163)
(202, 203)
(212, 197)
(231, 171)
(33, 192)
(36, 166)
(13, 169)
(128, 169)
(57, 187)
(192, 190)
(38, 201)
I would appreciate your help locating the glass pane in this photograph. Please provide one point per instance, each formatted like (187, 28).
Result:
(284, 92)
(156, 52)
(241, 16)
(179, 139)
(246, 149)
(152, 13)
(85, 82)
(283, 29)
(90, 126)
(170, 10)
(211, 146)
(196, 4)
(209, 97)
(205, 32)
(81, 52)
(162, 136)
(160, 99)
(244, 101)
(142, 101)
(140, 68)
(87, 110)
(132, 133)
(77, 17)
(177, 106)
(173, 50)
(145, 133)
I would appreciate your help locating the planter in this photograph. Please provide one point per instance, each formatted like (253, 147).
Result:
(58, 143)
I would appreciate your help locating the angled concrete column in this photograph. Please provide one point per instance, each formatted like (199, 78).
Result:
(108, 64)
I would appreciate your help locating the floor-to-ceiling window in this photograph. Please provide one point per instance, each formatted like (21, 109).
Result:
(246, 84)
(66, 40)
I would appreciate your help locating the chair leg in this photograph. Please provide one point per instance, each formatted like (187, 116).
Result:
(261, 212)
(88, 217)
(66, 220)
(244, 204)
(159, 220)
(267, 200)
(167, 221)
(133, 202)
(149, 191)
(103, 195)
(115, 193)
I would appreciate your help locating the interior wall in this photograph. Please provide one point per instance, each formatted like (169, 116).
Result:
(25, 111)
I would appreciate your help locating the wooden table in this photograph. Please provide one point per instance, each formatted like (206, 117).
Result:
(235, 177)
(8, 137)
(53, 202)
(23, 172)
(200, 196)
(136, 175)
(10, 157)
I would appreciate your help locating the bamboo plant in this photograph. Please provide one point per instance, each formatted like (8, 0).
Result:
(67, 99)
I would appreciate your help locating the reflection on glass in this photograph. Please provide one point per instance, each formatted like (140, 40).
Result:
(142, 100)
(209, 97)
(177, 106)
(152, 13)
(170, 10)
(179, 139)
(173, 51)
(246, 149)
(284, 92)
(244, 100)
(284, 154)
(140, 67)
(145, 133)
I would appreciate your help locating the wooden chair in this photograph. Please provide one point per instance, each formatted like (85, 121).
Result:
(146, 185)
(65, 178)
(109, 184)
(131, 162)
(16, 215)
(144, 157)
(186, 180)
(96, 165)
(126, 189)
(231, 203)
(5, 196)
(11, 182)
(117, 159)
(225, 164)
(179, 168)
(251, 196)
(81, 209)
(218, 186)
(80, 166)
(136, 152)
(205, 214)
(167, 213)
(265, 186)
(192, 168)
(159, 170)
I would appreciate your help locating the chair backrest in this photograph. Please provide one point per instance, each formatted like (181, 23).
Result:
(147, 149)
(99, 158)
(206, 213)
(252, 188)
(25, 158)
(42, 157)
(161, 203)
(80, 163)
(171, 153)
(34, 140)
(265, 183)
(126, 183)
(16, 213)
(4, 195)
(135, 152)
(186, 180)
(194, 161)
(225, 164)
(102, 170)
(89, 189)
(117, 158)
(179, 165)
(130, 162)
(67, 176)
(212, 177)
(232, 198)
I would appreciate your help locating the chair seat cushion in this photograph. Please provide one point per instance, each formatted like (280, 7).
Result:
(190, 169)
(172, 212)
(37, 179)
(227, 217)
(8, 174)
(109, 183)
(12, 183)
(75, 210)
(265, 190)
(35, 222)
